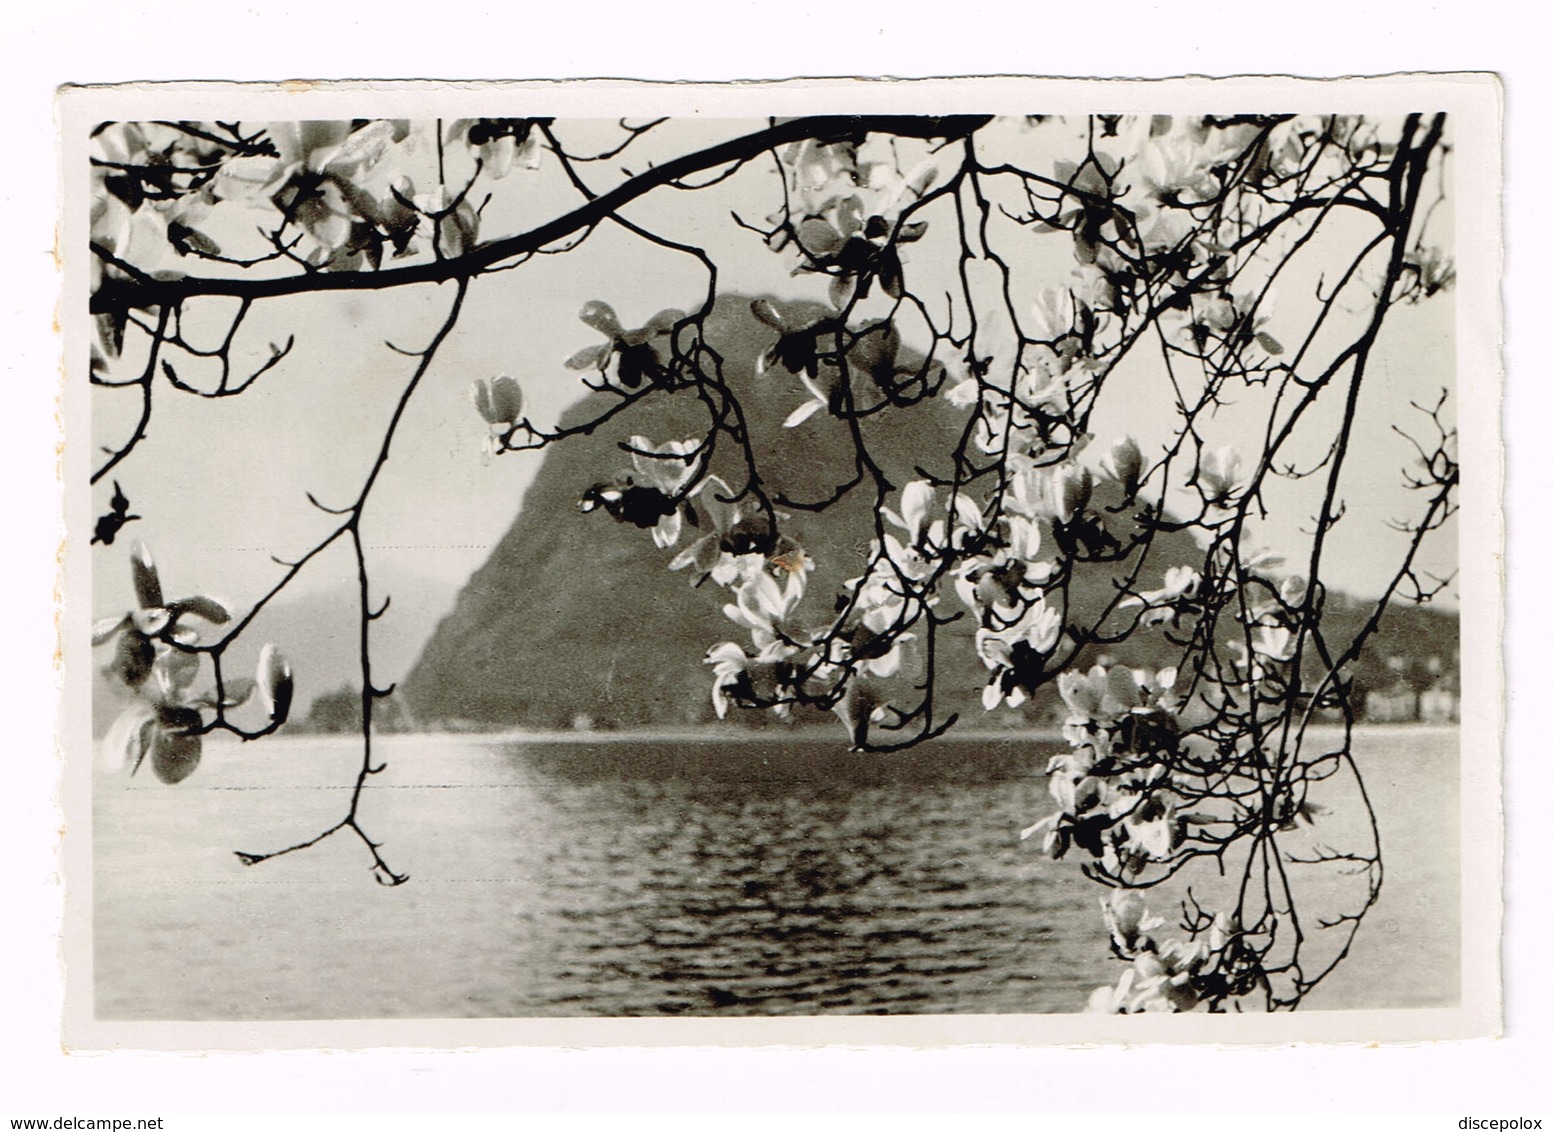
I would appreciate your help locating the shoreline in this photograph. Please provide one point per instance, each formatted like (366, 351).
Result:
(820, 734)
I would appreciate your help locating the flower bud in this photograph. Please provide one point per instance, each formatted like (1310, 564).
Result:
(1129, 918)
(457, 231)
(1125, 463)
(148, 585)
(500, 401)
(1074, 487)
(275, 684)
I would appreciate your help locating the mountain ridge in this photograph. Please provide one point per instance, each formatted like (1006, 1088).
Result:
(575, 620)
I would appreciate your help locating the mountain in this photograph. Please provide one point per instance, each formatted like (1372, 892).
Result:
(575, 618)
(576, 615)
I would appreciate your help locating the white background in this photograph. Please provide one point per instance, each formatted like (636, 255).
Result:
(47, 44)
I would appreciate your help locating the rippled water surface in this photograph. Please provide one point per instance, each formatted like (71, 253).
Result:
(631, 877)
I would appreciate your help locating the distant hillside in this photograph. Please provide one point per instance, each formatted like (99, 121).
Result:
(575, 616)
(319, 631)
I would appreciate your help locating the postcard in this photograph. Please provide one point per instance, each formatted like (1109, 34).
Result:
(602, 563)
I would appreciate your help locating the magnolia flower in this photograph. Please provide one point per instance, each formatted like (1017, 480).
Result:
(1162, 980)
(1434, 270)
(1128, 918)
(1047, 483)
(315, 144)
(1109, 999)
(319, 180)
(1225, 927)
(1101, 694)
(626, 501)
(301, 147)
(1094, 289)
(666, 468)
(653, 505)
(739, 545)
(810, 347)
(153, 197)
(797, 350)
(761, 604)
(880, 655)
(1166, 604)
(748, 680)
(1166, 232)
(1177, 170)
(1049, 830)
(1156, 689)
(168, 734)
(1082, 693)
(500, 143)
(152, 629)
(1051, 315)
(823, 172)
(917, 501)
(729, 664)
(1219, 475)
(1153, 831)
(139, 236)
(705, 554)
(874, 351)
(314, 174)
(1160, 986)
(856, 247)
(1233, 323)
(154, 657)
(1041, 385)
(1180, 581)
(642, 356)
(1077, 793)
(1276, 642)
(1254, 563)
(871, 643)
(998, 585)
(456, 222)
(797, 347)
(964, 393)
(992, 423)
(891, 188)
(1017, 655)
(1087, 208)
(791, 565)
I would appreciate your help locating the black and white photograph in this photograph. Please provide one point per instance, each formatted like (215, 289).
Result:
(928, 562)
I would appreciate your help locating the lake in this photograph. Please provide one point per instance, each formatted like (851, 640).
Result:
(625, 876)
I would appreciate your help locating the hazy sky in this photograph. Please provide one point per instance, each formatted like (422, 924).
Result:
(222, 483)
